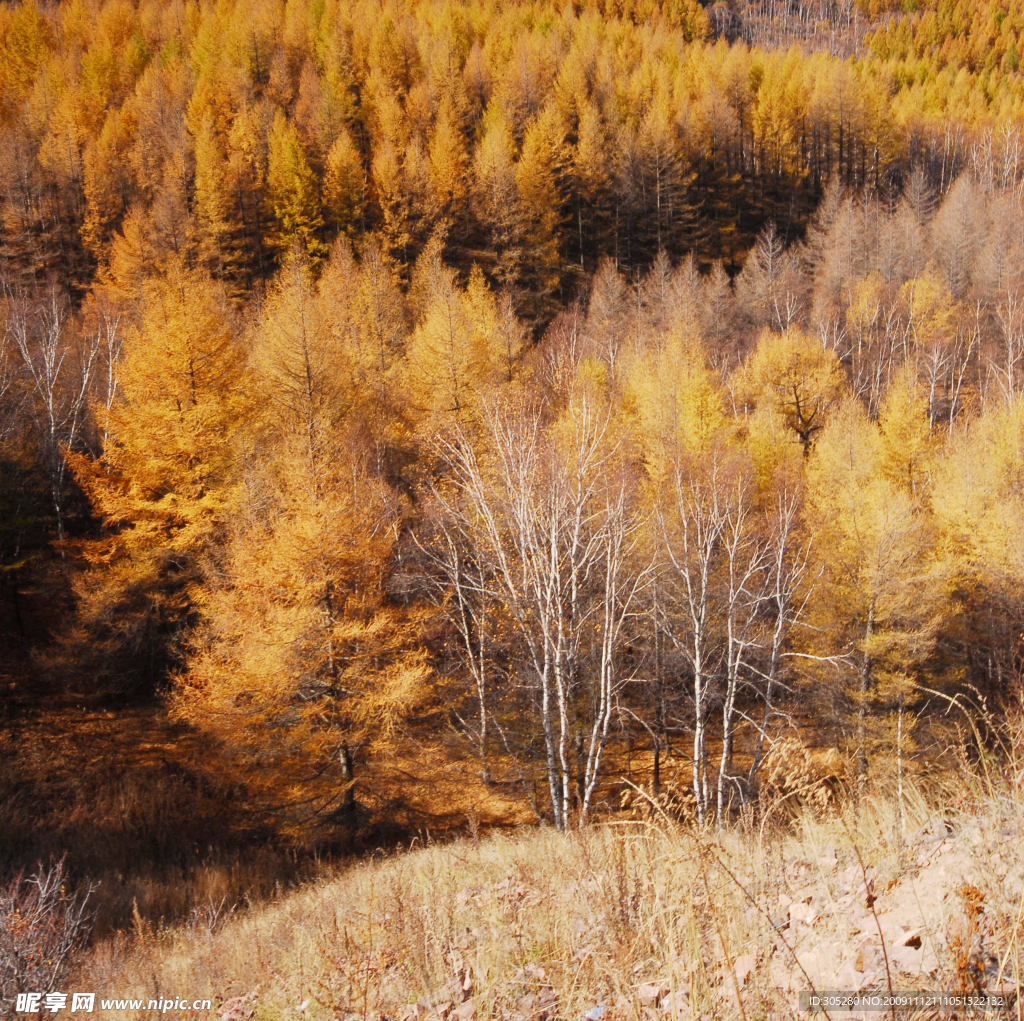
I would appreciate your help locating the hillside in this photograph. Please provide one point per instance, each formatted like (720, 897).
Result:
(637, 920)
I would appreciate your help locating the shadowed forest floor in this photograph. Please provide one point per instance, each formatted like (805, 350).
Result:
(137, 806)
(144, 809)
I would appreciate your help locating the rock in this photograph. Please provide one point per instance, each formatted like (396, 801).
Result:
(677, 1005)
(907, 960)
(821, 966)
(851, 975)
(804, 913)
(901, 926)
(743, 966)
(650, 993)
(413, 1011)
(808, 961)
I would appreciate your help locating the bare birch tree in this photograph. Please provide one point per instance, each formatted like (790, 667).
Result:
(692, 525)
(460, 586)
(554, 522)
(59, 365)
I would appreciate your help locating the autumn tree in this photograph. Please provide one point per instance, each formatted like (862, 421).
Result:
(293, 190)
(883, 596)
(976, 497)
(214, 208)
(496, 198)
(590, 178)
(730, 582)
(60, 363)
(166, 478)
(796, 376)
(464, 346)
(554, 523)
(301, 665)
(449, 165)
(538, 184)
(345, 186)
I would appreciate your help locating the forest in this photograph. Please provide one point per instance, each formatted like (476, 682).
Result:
(538, 385)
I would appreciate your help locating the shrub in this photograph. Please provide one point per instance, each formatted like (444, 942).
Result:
(42, 926)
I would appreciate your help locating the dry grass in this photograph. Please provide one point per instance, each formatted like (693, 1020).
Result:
(647, 918)
(145, 815)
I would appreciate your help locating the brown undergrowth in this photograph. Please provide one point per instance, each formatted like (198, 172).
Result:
(145, 814)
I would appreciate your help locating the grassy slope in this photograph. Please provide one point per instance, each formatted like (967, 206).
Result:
(648, 918)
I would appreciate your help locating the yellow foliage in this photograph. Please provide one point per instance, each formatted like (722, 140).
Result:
(884, 590)
(799, 378)
(169, 463)
(907, 443)
(768, 443)
(345, 185)
(931, 306)
(458, 353)
(978, 495)
(676, 401)
(299, 652)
